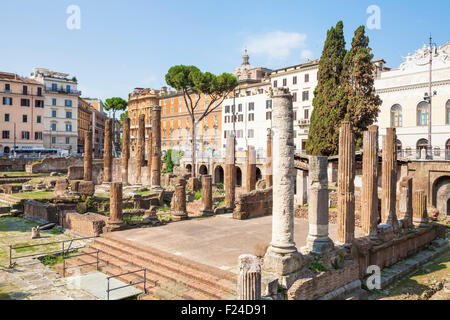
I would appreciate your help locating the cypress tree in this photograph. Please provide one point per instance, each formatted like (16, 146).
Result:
(359, 100)
(328, 112)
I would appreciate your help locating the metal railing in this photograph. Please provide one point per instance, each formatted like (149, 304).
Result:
(63, 250)
(438, 153)
(81, 265)
(108, 289)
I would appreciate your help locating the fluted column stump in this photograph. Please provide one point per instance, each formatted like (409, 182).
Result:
(346, 185)
(389, 180)
(405, 203)
(369, 196)
(269, 180)
(178, 205)
(302, 187)
(126, 150)
(149, 160)
(140, 148)
(251, 169)
(249, 281)
(230, 173)
(318, 241)
(420, 218)
(115, 221)
(282, 259)
(156, 149)
(207, 208)
(88, 156)
(107, 170)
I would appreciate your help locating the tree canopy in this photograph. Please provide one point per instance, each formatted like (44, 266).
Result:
(115, 104)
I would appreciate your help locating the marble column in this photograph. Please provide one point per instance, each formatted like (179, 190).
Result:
(405, 203)
(318, 241)
(156, 148)
(346, 185)
(149, 156)
(88, 156)
(269, 180)
(178, 205)
(282, 259)
(420, 217)
(389, 180)
(207, 208)
(251, 169)
(230, 172)
(369, 196)
(107, 170)
(115, 221)
(125, 150)
(140, 148)
(249, 281)
(302, 187)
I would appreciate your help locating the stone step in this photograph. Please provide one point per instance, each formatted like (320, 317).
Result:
(213, 271)
(175, 264)
(155, 285)
(163, 278)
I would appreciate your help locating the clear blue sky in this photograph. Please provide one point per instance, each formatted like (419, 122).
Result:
(126, 44)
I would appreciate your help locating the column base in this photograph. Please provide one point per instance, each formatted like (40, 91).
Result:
(319, 246)
(420, 223)
(179, 216)
(385, 232)
(112, 226)
(157, 188)
(284, 266)
(207, 213)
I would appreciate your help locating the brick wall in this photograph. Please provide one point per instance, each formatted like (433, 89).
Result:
(254, 204)
(88, 224)
(41, 211)
(49, 165)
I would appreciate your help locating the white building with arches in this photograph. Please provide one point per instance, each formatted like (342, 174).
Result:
(403, 92)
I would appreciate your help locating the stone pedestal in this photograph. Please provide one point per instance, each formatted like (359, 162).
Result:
(389, 180)
(269, 180)
(282, 259)
(107, 156)
(126, 150)
(115, 221)
(369, 197)
(149, 160)
(318, 241)
(302, 187)
(230, 172)
(140, 148)
(35, 233)
(420, 218)
(249, 281)
(178, 205)
(88, 156)
(405, 203)
(207, 209)
(156, 148)
(251, 169)
(346, 185)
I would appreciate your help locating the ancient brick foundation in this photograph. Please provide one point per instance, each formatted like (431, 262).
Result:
(77, 173)
(60, 165)
(254, 204)
(41, 211)
(88, 224)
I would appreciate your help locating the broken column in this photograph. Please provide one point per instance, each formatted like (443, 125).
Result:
(115, 221)
(302, 187)
(156, 148)
(140, 148)
(346, 185)
(282, 259)
(125, 150)
(405, 203)
(389, 180)
(249, 282)
(251, 169)
(369, 196)
(230, 172)
(269, 159)
(107, 170)
(88, 156)
(149, 156)
(178, 205)
(318, 241)
(207, 208)
(420, 218)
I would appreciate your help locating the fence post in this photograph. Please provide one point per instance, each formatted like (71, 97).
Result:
(10, 256)
(107, 291)
(63, 248)
(64, 267)
(97, 259)
(145, 280)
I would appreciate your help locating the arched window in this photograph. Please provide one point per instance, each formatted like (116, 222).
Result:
(396, 116)
(422, 114)
(447, 111)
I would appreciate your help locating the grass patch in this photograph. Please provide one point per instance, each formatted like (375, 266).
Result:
(317, 266)
(35, 195)
(162, 217)
(54, 259)
(144, 193)
(19, 174)
(198, 195)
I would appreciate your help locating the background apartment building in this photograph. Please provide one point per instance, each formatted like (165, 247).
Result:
(99, 118)
(21, 113)
(84, 122)
(60, 109)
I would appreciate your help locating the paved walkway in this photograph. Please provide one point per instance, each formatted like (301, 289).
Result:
(216, 241)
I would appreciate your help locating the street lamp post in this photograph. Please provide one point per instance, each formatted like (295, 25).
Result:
(429, 97)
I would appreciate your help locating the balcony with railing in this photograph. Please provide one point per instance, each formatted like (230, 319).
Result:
(304, 122)
(62, 90)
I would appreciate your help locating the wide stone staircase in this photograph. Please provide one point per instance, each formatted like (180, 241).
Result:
(169, 277)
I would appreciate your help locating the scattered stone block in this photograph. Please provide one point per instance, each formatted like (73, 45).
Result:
(27, 187)
(35, 233)
(86, 188)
